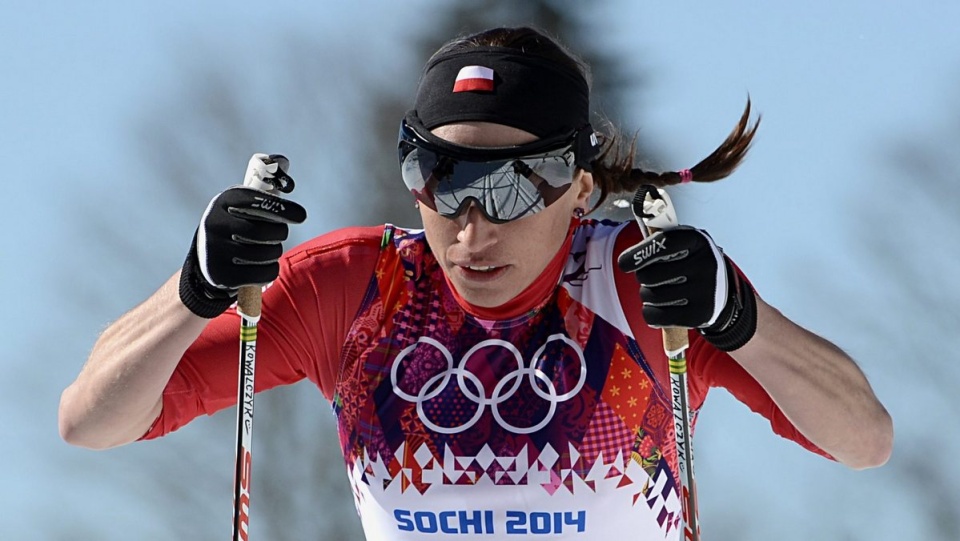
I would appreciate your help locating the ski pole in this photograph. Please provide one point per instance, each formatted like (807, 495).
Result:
(653, 212)
(248, 307)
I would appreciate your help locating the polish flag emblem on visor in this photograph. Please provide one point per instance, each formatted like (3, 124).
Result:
(474, 79)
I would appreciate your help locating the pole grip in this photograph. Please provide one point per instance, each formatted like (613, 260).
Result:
(675, 339)
(249, 297)
(249, 300)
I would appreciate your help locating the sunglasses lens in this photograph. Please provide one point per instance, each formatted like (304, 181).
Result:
(505, 189)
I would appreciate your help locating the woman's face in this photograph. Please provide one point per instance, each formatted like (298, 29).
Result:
(490, 264)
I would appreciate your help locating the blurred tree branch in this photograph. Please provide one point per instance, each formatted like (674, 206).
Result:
(907, 232)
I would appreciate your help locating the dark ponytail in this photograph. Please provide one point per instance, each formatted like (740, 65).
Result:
(613, 172)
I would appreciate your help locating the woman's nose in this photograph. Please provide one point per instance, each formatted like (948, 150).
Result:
(476, 231)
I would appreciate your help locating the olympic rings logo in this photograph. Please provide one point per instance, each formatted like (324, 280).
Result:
(438, 382)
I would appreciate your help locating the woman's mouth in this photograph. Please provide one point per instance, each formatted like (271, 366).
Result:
(481, 273)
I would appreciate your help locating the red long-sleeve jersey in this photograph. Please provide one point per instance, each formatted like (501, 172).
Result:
(550, 415)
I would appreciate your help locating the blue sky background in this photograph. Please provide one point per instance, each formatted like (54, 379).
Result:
(836, 83)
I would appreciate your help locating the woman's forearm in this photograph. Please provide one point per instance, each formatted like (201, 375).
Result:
(819, 388)
(118, 393)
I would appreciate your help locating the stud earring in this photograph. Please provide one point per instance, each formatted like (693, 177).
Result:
(578, 212)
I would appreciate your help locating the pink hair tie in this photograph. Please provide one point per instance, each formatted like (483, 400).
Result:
(685, 176)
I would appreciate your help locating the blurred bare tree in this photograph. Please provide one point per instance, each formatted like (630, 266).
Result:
(336, 118)
(905, 236)
(909, 231)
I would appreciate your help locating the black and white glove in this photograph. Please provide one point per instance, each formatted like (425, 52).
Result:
(687, 281)
(238, 243)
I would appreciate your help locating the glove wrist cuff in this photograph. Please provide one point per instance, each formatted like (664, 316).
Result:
(202, 299)
(741, 324)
